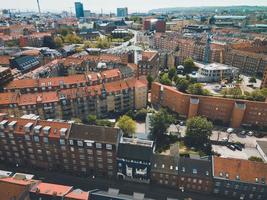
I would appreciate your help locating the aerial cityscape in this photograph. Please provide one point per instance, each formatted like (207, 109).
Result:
(133, 100)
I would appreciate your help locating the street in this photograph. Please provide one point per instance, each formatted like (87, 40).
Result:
(88, 184)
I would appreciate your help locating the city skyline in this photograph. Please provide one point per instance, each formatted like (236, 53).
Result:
(110, 6)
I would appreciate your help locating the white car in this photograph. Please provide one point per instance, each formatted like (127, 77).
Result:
(250, 133)
(225, 139)
(230, 130)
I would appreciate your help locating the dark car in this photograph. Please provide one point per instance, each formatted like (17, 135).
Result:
(231, 146)
(238, 147)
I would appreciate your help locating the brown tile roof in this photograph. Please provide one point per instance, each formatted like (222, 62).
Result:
(148, 55)
(247, 171)
(11, 188)
(112, 73)
(8, 98)
(25, 83)
(4, 60)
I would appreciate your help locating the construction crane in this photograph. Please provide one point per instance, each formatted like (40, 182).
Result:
(39, 9)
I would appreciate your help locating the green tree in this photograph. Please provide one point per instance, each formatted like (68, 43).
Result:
(72, 38)
(149, 79)
(91, 119)
(182, 84)
(197, 89)
(164, 79)
(189, 65)
(77, 120)
(172, 73)
(235, 92)
(255, 159)
(253, 80)
(159, 123)
(198, 131)
(127, 125)
(58, 41)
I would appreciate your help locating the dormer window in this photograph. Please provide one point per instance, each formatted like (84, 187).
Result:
(207, 173)
(221, 174)
(155, 165)
(227, 175)
(183, 169)
(171, 167)
(256, 180)
(163, 166)
(194, 171)
(37, 129)
(237, 177)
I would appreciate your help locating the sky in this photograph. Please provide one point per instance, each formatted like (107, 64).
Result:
(111, 5)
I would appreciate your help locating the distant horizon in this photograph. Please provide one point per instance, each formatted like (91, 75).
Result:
(111, 5)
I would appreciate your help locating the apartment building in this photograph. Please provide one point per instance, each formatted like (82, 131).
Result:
(185, 174)
(134, 159)
(264, 79)
(101, 100)
(149, 64)
(230, 112)
(55, 145)
(239, 179)
(28, 189)
(250, 63)
(5, 76)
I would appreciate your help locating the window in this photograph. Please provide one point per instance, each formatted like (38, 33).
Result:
(89, 144)
(98, 145)
(98, 152)
(62, 141)
(71, 142)
(80, 143)
(194, 171)
(45, 140)
(27, 137)
(109, 146)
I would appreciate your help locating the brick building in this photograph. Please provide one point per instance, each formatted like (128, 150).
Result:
(55, 145)
(149, 64)
(232, 112)
(76, 100)
(5, 76)
(239, 179)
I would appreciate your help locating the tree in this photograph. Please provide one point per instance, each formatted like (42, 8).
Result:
(127, 125)
(197, 89)
(255, 159)
(72, 38)
(165, 79)
(235, 92)
(58, 42)
(159, 123)
(182, 84)
(198, 131)
(253, 80)
(91, 119)
(77, 120)
(141, 115)
(172, 73)
(149, 79)
(189, 65)
(49, 42)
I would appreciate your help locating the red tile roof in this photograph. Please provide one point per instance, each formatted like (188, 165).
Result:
(247, 171)
(51, 189)
(4, 60)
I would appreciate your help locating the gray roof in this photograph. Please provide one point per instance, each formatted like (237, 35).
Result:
(203, 166)
(96, 133)
(164, 164)
(135, 152)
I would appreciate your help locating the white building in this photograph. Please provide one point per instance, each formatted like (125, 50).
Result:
(214, 72)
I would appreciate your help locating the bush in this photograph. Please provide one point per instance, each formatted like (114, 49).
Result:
(255, 159)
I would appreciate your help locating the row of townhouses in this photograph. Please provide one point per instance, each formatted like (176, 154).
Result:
(72, 101)
(103, 151)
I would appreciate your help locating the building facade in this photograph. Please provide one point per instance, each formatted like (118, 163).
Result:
(134, 159)
(53, 145)
(220, 110)
(239, 179)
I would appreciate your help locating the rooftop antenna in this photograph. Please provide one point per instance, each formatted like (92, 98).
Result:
(39, 9)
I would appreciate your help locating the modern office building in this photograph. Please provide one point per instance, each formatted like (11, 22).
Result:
(79, 9)
(122, 12)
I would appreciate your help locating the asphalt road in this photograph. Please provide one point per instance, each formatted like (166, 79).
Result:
(88, 183)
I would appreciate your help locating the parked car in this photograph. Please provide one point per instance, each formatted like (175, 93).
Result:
(238, 147)
(231, 146)
(230, 130)
(225, 139)
(243, 132)
(250, 133)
